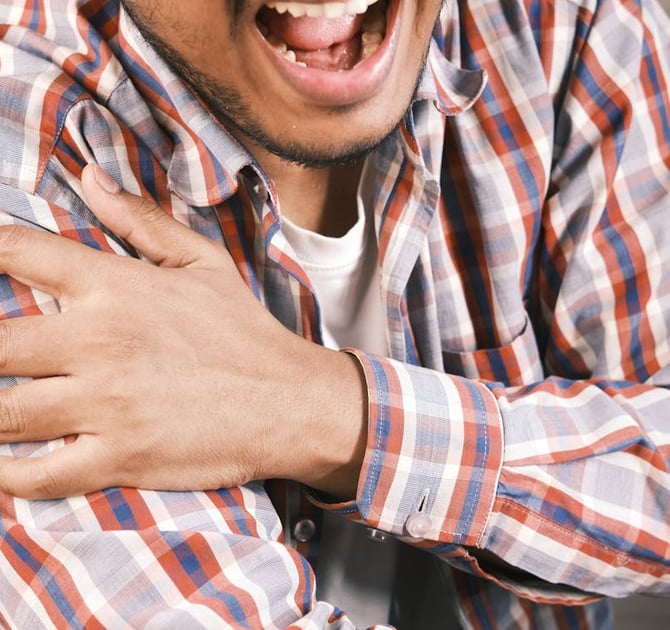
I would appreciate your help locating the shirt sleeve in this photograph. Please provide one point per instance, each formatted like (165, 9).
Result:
(566, 480)
(562, 471)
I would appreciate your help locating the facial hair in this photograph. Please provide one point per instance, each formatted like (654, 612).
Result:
(227, 106)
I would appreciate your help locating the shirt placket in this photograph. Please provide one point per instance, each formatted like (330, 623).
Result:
(285, 290)
(404, 212)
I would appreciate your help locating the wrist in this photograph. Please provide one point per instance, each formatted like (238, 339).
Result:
(333, 404)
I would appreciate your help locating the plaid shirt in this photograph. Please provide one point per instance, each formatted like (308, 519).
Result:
(524, 250)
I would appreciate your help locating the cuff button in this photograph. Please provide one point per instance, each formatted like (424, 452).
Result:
(418, 525)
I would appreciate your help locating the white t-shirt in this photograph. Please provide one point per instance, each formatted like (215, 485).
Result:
(345, 276)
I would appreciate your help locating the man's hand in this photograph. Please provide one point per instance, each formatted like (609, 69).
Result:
(171, 376)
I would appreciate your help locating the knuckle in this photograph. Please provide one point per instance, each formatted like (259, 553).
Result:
(7, 343)
(12, 415)
(149, 210)
(47, 483)
(11, 237)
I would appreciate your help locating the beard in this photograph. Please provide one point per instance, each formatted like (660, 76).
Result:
(227, 106)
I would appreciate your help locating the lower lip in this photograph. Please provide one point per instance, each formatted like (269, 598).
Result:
(346, 87)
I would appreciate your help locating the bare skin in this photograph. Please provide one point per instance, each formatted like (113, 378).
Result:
(251, 400)
(322, 200)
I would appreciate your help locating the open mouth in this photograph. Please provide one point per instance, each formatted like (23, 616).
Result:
(332, 36)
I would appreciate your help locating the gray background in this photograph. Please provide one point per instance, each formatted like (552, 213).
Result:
(643, 613)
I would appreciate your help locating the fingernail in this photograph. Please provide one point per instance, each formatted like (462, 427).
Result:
(105, 181)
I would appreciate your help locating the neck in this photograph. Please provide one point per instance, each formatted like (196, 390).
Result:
(322, 200)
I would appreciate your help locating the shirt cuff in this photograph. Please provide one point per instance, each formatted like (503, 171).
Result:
(434, 453)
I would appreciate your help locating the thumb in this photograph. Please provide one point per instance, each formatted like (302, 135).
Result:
(148, 228)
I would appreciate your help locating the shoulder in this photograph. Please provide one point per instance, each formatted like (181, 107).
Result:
(54, 59)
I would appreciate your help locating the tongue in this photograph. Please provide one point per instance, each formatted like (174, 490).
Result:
(310, 34)
(338, 57)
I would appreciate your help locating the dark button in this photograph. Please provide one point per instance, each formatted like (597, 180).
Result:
(304, 529)
(377, 535)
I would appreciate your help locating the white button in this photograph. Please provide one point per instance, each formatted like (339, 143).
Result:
(418, 525)
(304, 530)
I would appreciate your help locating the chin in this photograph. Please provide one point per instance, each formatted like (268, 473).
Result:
(332, 151)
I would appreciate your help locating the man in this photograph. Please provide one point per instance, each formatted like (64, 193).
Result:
(469, 199)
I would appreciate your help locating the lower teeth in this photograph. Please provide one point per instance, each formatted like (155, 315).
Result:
(370, 43)
(371, 37)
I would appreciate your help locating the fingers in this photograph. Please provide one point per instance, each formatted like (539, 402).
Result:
(63, 268)
(47, 262)
(37, 346)
(42, 409)
(162, 239)
(74, 469)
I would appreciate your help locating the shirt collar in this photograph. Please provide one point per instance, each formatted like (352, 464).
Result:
(205, 158)
(451, 88)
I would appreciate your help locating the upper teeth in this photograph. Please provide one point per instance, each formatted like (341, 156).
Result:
(322, 10)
